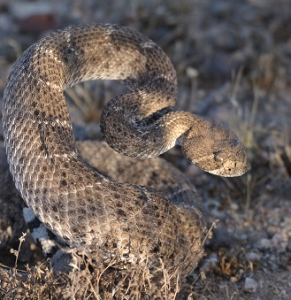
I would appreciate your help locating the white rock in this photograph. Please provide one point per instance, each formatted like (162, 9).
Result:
(250, 285)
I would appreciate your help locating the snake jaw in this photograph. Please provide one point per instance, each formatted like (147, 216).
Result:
(231, 169)
(225, 168)
(216, 150)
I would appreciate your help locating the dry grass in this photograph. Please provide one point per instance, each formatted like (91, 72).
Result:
(82, 282)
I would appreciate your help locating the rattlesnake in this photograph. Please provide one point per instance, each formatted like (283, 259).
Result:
(111, 221)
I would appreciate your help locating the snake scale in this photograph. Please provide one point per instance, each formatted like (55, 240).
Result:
(112, 221)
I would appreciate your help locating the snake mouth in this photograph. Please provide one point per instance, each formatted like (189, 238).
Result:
(231, 169)
(222, 165)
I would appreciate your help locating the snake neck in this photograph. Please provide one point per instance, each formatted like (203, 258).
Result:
(137, 132)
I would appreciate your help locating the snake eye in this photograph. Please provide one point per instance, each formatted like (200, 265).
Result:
(218, 157)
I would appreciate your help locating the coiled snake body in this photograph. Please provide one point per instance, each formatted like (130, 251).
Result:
(111, 220)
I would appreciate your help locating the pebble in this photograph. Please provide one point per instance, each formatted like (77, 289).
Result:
(192, 72)
(264, 244)
(5, 23)
(210, 263)
(24, 9)
(253, 257)
(251, 285)
(280, 239)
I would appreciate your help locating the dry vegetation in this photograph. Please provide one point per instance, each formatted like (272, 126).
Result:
(233, 60)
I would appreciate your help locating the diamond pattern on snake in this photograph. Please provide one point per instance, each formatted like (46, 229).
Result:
(112, 217)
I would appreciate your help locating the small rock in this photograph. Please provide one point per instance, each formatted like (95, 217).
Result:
(5, 23)
(192, 72)
(24, 9)
(264, 244)
(272, 230)
(280, 239)
(210, 263)
(253, 257)
(251, 285)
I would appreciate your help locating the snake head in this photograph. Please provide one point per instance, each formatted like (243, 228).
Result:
(216, 150)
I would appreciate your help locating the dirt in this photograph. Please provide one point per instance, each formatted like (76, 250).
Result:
(233, 60)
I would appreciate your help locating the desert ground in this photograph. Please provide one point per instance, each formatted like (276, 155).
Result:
(233, 61)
